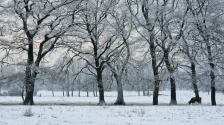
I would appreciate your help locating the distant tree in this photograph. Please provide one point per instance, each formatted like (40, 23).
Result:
(14, 90)
(14, 80)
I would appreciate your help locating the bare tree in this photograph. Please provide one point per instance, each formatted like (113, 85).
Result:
(93, 39)
(191, 51)
(38, 26)
(119, 61)
(206, 19)
(171, 24)
(145, 14)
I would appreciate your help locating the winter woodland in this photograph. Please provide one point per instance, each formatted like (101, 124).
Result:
(98, 46)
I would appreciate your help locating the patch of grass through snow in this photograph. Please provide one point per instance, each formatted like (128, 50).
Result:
(28, 112)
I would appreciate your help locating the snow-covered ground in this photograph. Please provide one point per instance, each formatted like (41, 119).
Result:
(83, 110)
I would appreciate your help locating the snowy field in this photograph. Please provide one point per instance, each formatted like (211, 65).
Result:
(83, 110)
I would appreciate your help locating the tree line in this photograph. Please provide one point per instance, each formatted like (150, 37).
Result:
(120, 37)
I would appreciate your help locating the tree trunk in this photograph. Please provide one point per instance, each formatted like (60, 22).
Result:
(68, 84)
(96, 92)
(194, 82)
(173, 100)
(101, 91)
(22, 93)
(99, 81)
(67, 92)
(63, 91)
(143, 91)
(72, 90)
(52, 92)
(148, 89)
(29, 91)
(93, 90)
(212, 74)
(87, 91)
(79, 87)
(87, 87)
(151, 31)
(29, 95)
(30, 76)
(120, 96)
(156, 92)
(138, 88)
(155, 72)
(79, 91)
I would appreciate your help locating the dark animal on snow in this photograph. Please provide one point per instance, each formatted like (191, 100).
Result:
(193, 100)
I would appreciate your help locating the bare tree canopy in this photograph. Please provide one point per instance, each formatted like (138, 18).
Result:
(142, 45)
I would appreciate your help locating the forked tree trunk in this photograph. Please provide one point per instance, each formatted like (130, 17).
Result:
(24, 13)
(120, 96)
(173, 100)
(151, 31)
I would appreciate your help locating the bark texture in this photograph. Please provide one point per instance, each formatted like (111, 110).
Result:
(194, 82)
(212, 74)
(155, 72)
(173, 100)
(120, 96)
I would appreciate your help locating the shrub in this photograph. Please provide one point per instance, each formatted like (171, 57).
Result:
(28, 112)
